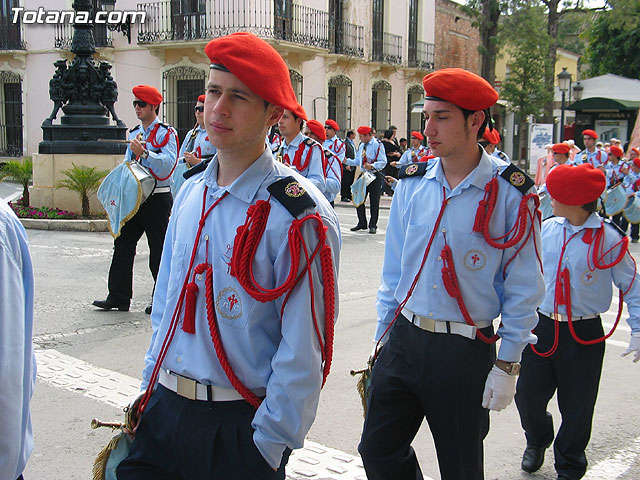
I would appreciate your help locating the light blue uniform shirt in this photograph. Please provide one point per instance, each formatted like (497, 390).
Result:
(415, 207)
(282, 356)
(614, 172)
(374, 153)
(17, 359)
(336, 146)
(412, 155)
(630, 180)
(597, 158)
(160, 160)
(591, 290)
(500, 155)
(314, 170)
(333, 182)
(201, 148)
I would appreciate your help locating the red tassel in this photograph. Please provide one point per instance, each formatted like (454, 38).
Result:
(189, 322)
(587, 237)
(480, 213)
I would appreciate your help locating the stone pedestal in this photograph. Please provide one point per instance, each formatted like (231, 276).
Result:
(47, 170)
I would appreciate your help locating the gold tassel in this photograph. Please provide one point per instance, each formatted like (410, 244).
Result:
(364, 382)
(100, 463)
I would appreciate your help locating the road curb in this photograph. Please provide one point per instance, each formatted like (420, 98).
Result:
(66, 225)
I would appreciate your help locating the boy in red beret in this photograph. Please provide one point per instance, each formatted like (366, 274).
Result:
(331, 163)
(242, 320)
(460, 251)
(155, 145)
(591, 154)
(195, 148)
(339, 149)
(582, 257)
(417, 153)
(490, 141)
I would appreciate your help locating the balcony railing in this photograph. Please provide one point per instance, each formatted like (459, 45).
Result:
(290, 22)
(387, 49)
(422, 56)
(348, 39)
(10, 35)
(64, 35)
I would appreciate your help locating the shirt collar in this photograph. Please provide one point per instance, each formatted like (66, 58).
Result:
(479, 176)
(593, 221)
(295, 142)
(246, 186)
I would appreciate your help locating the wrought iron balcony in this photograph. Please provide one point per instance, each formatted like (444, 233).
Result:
(10, 35)
(347, 39)
(386, 48)
(265, 18)
(422, 56)
(64, 34)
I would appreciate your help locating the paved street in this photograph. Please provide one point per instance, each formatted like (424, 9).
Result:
(90, 360)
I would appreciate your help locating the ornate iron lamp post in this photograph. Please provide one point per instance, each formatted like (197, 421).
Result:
(86, 92)
(564, 81)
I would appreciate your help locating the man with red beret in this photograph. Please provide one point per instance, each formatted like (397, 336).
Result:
(331, 163)
(591, 154)
(155, 145)
(195, 148)
(370, 157)
(242, 335)
(337, 147)
(490, 141)
(299, 151)
(417, 153)
(568, 355)
(460, 251)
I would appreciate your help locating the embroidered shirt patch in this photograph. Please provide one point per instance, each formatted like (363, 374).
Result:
(294, 190)
(588, 277)
(228, 303)
(475, 260)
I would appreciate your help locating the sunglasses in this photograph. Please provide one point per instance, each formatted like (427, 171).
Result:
(327, 127)
(139, 103)
(199, 109)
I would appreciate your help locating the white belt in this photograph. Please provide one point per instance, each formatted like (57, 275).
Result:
(442, 326)
(166, 189)
(565, 318)
(194, 390)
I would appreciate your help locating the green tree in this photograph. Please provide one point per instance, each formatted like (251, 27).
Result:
(613, 45)
(527, 45)
(21, 172)
(83, 180)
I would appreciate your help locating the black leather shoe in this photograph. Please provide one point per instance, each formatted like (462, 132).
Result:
(562, 477)
(358, 227)
(532, 458)
(148, 310)
(109, 304)
(373, 229)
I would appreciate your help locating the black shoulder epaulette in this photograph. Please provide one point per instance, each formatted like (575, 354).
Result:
(413, 170)
(291, 195)
(503, 156)
(165, 125)
(517, 178)
(310, 142)
(200, 167)
(328, 153)
(615, 226)
(134, 129)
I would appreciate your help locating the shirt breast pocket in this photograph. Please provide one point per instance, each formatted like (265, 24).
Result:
(179, 265)
(473, 257)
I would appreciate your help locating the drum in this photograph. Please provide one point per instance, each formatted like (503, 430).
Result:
(177, 179)
(615, 200)
(359, 191)
(545, 205)
(123, 191)
(632, 209)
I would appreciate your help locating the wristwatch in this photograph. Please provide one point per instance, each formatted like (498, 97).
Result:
(145, 154)
(512, 368)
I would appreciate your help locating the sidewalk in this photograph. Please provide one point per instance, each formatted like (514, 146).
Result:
(385, 203)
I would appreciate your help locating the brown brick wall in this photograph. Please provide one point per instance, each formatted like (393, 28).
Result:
(456, 39)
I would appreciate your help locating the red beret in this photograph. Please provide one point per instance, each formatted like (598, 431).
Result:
(364, 130)
(299, 112)
(201, 98)
(460, 87)
(148, 94)
(317, 129)
(560, 148)
(491, 136)
(616, 150)
(417, 135)
(576, 185)
(252, 61)
(333, 124)
(636, 162)
(590, 133)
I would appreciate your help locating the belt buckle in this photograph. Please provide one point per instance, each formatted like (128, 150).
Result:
(186, 387)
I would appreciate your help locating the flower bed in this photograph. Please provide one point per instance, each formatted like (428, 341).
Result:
(42, 212)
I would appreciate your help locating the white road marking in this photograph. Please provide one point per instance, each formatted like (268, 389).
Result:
(616, 465)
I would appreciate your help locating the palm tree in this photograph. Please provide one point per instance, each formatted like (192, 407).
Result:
(21, 172)
(84, 180)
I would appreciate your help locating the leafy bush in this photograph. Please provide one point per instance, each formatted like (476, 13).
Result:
(21, 172)
(23, 211)
(83, 180)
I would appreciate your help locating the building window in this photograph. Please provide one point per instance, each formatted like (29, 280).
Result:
(296, 83)
(340, 101)
(283, 19)
(189, 19)
(381, 105)
(181, 87)
(377, 32)
(10, 33)
(413, 32)
(10, 114)
(415, 94)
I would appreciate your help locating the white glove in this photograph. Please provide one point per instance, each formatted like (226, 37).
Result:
(499, 390)
(634, 347)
